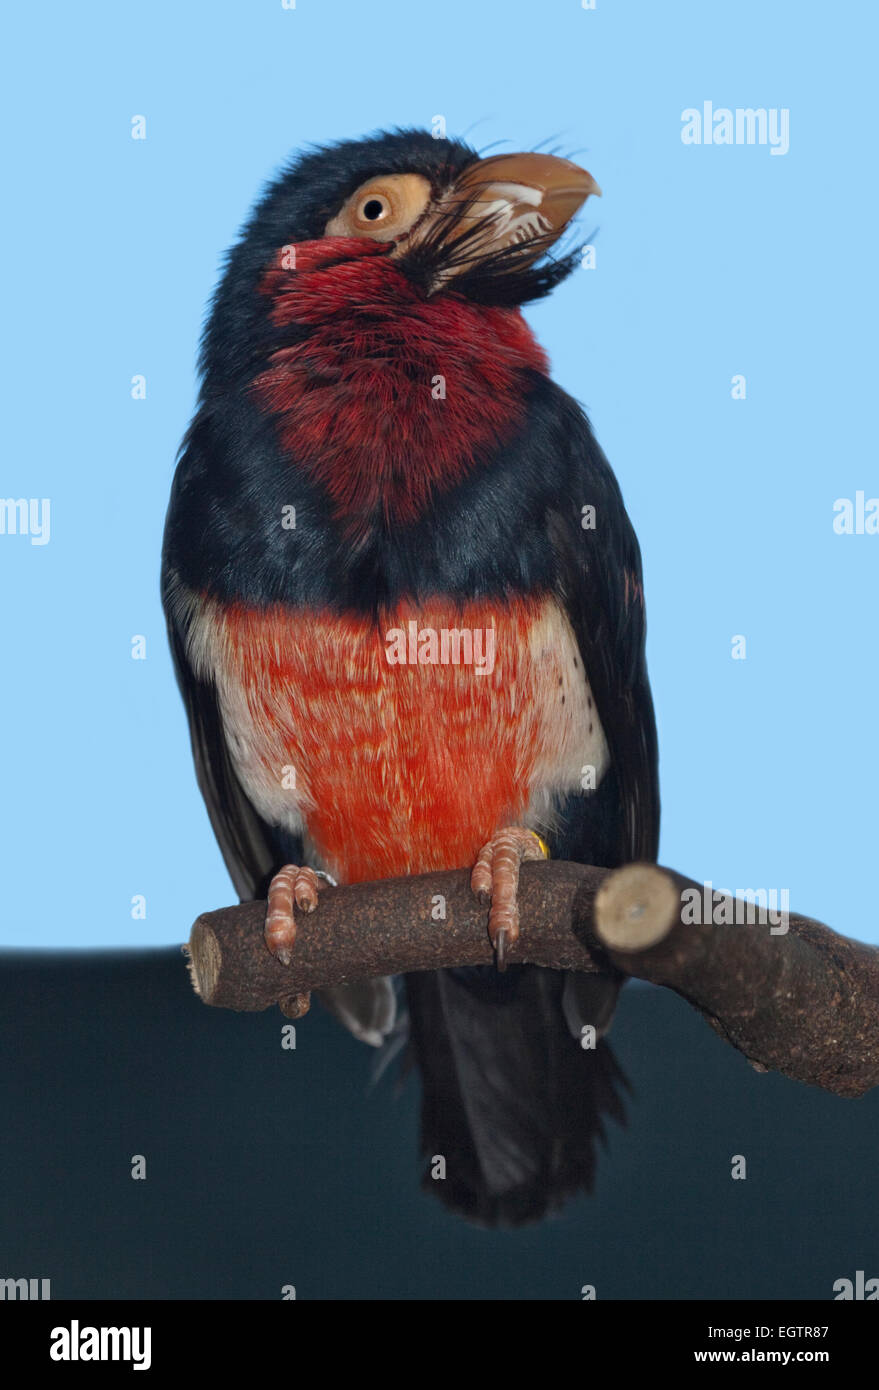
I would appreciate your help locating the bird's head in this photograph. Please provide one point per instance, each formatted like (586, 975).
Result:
(447, 221)
(476, 227)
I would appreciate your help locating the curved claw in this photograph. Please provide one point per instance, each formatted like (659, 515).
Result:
(500, 950)
(495, 879)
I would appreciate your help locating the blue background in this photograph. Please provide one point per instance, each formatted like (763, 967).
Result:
(712, 261)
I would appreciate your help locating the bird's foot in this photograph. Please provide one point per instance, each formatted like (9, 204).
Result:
(495, 880)
(290, 885)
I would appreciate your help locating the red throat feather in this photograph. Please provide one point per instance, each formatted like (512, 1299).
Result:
(390, 396)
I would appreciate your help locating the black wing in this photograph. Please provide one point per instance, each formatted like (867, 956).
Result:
(248, 844)
(252, 849)
(599, 582)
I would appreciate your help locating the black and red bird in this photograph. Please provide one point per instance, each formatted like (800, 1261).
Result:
(379, 449)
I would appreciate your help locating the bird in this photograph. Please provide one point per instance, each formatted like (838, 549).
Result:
(405, 606)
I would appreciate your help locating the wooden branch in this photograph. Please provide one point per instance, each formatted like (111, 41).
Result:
(795, 998)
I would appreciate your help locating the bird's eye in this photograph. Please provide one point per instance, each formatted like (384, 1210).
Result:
(384, 209)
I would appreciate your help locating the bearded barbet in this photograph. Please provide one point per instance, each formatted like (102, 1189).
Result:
(379, 453)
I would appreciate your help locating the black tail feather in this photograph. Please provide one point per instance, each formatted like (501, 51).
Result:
(512, 1102)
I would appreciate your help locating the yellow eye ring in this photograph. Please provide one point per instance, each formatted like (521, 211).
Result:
(384, 208)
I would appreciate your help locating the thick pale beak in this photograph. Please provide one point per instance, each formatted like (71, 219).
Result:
(508, 200)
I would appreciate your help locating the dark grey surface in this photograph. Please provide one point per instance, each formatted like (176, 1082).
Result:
(268, 1167)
